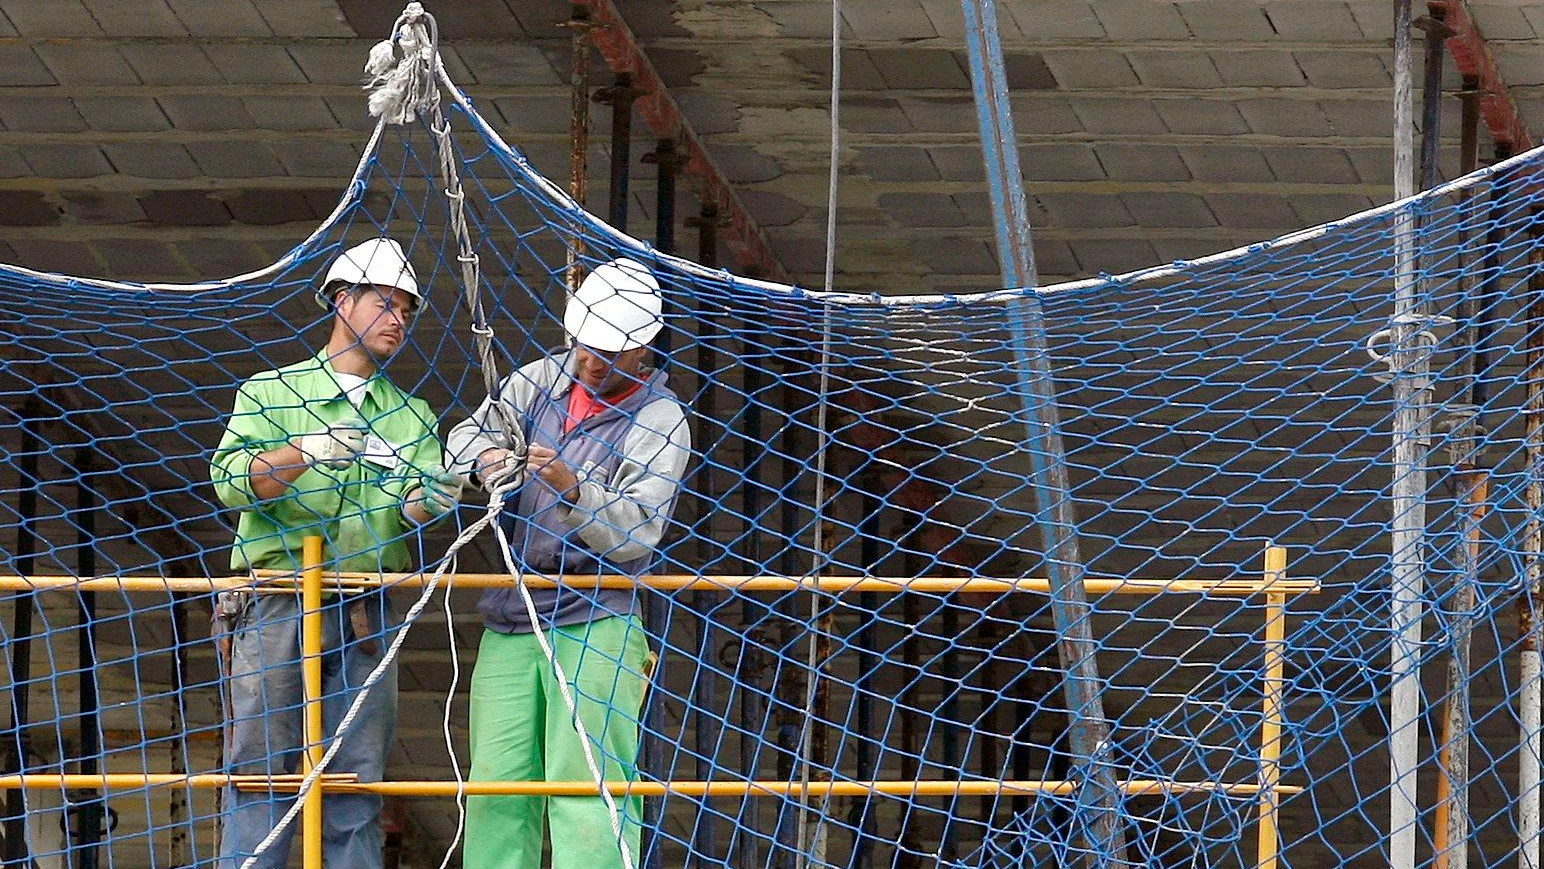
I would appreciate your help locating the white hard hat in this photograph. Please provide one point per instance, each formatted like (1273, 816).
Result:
(379, 262)
(616, 308)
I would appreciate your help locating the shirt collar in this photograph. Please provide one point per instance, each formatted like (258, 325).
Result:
(333, 388)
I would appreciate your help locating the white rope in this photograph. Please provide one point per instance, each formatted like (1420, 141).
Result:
(450, 741)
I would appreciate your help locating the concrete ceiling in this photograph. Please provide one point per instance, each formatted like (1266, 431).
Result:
(188, 139)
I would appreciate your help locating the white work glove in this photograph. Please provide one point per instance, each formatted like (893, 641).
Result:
(497, 468)
(336, 445)
(438, 492)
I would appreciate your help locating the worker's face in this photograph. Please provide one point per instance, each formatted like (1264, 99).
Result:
(605, 373)
(378, 317)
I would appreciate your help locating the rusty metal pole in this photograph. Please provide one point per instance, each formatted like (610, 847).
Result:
(578, 25)
(1451, 824)
(705, 687)
(620, 97)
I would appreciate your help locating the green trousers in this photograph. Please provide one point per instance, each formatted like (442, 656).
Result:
(521, 730)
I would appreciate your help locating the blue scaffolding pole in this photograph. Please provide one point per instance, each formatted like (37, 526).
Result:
(1099, 798)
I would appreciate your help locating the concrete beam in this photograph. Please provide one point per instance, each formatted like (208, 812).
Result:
(659, 110)
(1472, 55)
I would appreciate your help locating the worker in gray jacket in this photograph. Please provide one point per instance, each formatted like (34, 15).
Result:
(603, 444)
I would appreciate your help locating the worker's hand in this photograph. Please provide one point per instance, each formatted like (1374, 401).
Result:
(544, 464)
(499, 467)
(336, 445)
(438, 492)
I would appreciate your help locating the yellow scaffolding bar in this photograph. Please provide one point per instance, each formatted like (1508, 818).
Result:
(1270, 724)
(311, 670)
(276, 581)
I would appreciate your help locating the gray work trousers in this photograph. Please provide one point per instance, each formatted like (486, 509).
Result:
(267, 726)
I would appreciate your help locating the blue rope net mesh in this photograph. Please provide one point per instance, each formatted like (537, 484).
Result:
(1207, 410)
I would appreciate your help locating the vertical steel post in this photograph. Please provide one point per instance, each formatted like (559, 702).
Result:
(20, 646)
(1409, 362)
(89, 817)
(1090, 731)
(578, 25)
(705, 686)
(1450, 842)
(1431, 94)
(620, 97)
(1530, 741)
(667, 162)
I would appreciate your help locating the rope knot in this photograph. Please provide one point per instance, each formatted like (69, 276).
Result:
(400, 69)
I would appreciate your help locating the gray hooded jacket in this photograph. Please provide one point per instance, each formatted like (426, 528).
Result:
(630, 459)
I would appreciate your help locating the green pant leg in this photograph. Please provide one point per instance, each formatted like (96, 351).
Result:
(506, 716)
(604, 663)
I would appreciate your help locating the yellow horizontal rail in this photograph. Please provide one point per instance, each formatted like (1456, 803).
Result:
(349, 783)
(277, 581)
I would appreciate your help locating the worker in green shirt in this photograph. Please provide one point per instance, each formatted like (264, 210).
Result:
(330, 447)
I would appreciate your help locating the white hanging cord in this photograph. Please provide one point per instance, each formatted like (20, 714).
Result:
(450, 742)
(815, 847)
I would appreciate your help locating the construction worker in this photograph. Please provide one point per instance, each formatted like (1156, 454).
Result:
(602, 444)
(325, 447)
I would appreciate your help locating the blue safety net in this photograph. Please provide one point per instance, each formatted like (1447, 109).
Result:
(849, 633)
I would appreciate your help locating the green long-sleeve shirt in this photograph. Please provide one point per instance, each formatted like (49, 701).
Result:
(356, 509)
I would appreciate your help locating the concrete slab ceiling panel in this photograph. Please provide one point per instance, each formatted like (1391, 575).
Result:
(519, 63)
(1314, 20)
(20, 67)
(1226, 20)
(270, 207)
(220, 17)
(1521, 63)
(140, 259)
(1191, 70)
(1053, 19)
(151, 159)
(250, 63)
(6, 30)
(1113, 256)
(1040, 116)
(1141, 162)
(64, 257)
(40, 115)
(67, 161)
(1285, 117)
(871, 115)
(306, 18)
(770, 208)
(1375, 18)
(1055, 162)
(1376, 165)
(921, 209)
(206, 112)
(1252, 211)
(948, 21)
(920, 69)
(235, 159)
(102, 208)
(27, 208)
(1119, 116)
(1141, 19)
(1201, 117)
(122, 114)
(159, 63)
(1344, 69)
(1316, 208)
(124, 19)
(352, 112)
(886, 20)
(13, 164)
(953, 114)
(1502, 21)
(1168, 210)
(1227, 163)
(743, 164)
(332, 63)
(1311, 165)
(807, 20)
(546, 114)
(290, 113)
(318, 159)
(218, 257)
(1258, 68)
(858, 70)
(184, 208)
(1092, 68)
(1361, 118)
(1054, 259)
(51, 18)
(1177, 249)
(956, 256)
(1086, 210)
(87, 64)
(1535, 16)
(897, 163)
